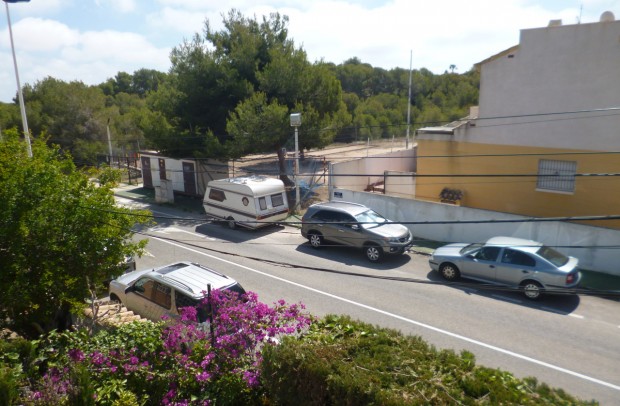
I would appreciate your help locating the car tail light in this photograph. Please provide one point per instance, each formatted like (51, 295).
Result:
(570, 278)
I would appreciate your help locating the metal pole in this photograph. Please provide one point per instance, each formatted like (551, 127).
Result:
(20, 95)
(297, 194)
(109, 141)
(409, 100)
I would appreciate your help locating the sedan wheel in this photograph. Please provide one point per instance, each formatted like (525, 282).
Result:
(532, 290)
(449, 272)
(373, 253)
(316, 240)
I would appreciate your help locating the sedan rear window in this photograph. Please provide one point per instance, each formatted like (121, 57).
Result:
(556, 258)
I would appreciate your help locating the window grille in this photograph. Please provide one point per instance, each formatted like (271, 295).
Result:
(556, 176)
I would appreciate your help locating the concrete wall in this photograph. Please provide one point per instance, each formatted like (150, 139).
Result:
(400, 184)
(346, 174)
(594, 256)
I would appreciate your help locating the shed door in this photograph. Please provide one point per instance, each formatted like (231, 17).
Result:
(189, 178)
(162, 169)
(147, 176)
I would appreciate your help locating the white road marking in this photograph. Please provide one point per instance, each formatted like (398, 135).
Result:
(577, 316)
(166, 230)
(417, 323)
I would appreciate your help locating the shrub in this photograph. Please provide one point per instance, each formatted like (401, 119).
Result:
(348, 363)
(170, 362)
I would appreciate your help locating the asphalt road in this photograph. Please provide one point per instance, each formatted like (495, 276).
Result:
(570, 342)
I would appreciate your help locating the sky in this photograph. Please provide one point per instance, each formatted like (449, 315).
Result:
(92, 40)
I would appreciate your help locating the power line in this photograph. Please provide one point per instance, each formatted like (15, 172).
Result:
(438, 222)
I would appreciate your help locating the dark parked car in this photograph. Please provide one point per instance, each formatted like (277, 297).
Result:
(514, 262)
(354, 225)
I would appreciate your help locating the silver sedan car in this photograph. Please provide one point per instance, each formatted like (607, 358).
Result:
(522, 264)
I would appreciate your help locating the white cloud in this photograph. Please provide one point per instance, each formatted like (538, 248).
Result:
(123, 6)
(185, 22)
(36, 34)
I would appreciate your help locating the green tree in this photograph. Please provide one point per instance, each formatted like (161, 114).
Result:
(140, 83)
(9, 116)
(72, 115)
(220, 71)
(59, 234)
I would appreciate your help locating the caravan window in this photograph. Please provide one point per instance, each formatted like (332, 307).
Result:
(262, 202)
(277, 200)
(216, 194)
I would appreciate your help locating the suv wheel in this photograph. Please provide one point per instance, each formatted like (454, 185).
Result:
(316, 239)
(373, 252)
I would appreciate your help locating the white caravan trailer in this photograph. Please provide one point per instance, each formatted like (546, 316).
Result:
(248, 201)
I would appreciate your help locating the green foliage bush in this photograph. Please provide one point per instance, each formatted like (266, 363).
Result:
(338, 361)
(345, 362)
(109, 176)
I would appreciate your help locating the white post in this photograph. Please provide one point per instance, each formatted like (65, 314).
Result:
(297, 194)
(20, 95)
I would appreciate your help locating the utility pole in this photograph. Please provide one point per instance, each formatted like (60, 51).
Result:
(109, 141)
(20, 95)
(409, 101)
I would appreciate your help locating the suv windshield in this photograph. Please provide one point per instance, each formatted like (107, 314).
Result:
(371, 217)
(556, 258)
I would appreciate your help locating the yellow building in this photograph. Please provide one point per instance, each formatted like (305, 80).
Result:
(545, 138)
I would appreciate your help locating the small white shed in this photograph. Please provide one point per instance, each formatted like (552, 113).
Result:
(188, 176)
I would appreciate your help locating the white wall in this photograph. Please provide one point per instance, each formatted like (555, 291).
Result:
(400, 184)
(556, 233)
(400, 161)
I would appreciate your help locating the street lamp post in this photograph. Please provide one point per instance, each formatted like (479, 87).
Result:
(296, 122)
(20, 95)
(409, 100)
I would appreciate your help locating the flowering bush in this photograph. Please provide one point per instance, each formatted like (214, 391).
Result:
(170, 362)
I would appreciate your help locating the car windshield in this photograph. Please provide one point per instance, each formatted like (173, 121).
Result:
(371, 217)
(556, 258)
(469, 248)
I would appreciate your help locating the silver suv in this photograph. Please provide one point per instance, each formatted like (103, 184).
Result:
(354, 225)
(153, 293)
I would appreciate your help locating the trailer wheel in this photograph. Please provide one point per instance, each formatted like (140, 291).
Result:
(231, 223)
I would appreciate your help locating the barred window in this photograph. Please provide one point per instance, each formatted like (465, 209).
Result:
(556, 176)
